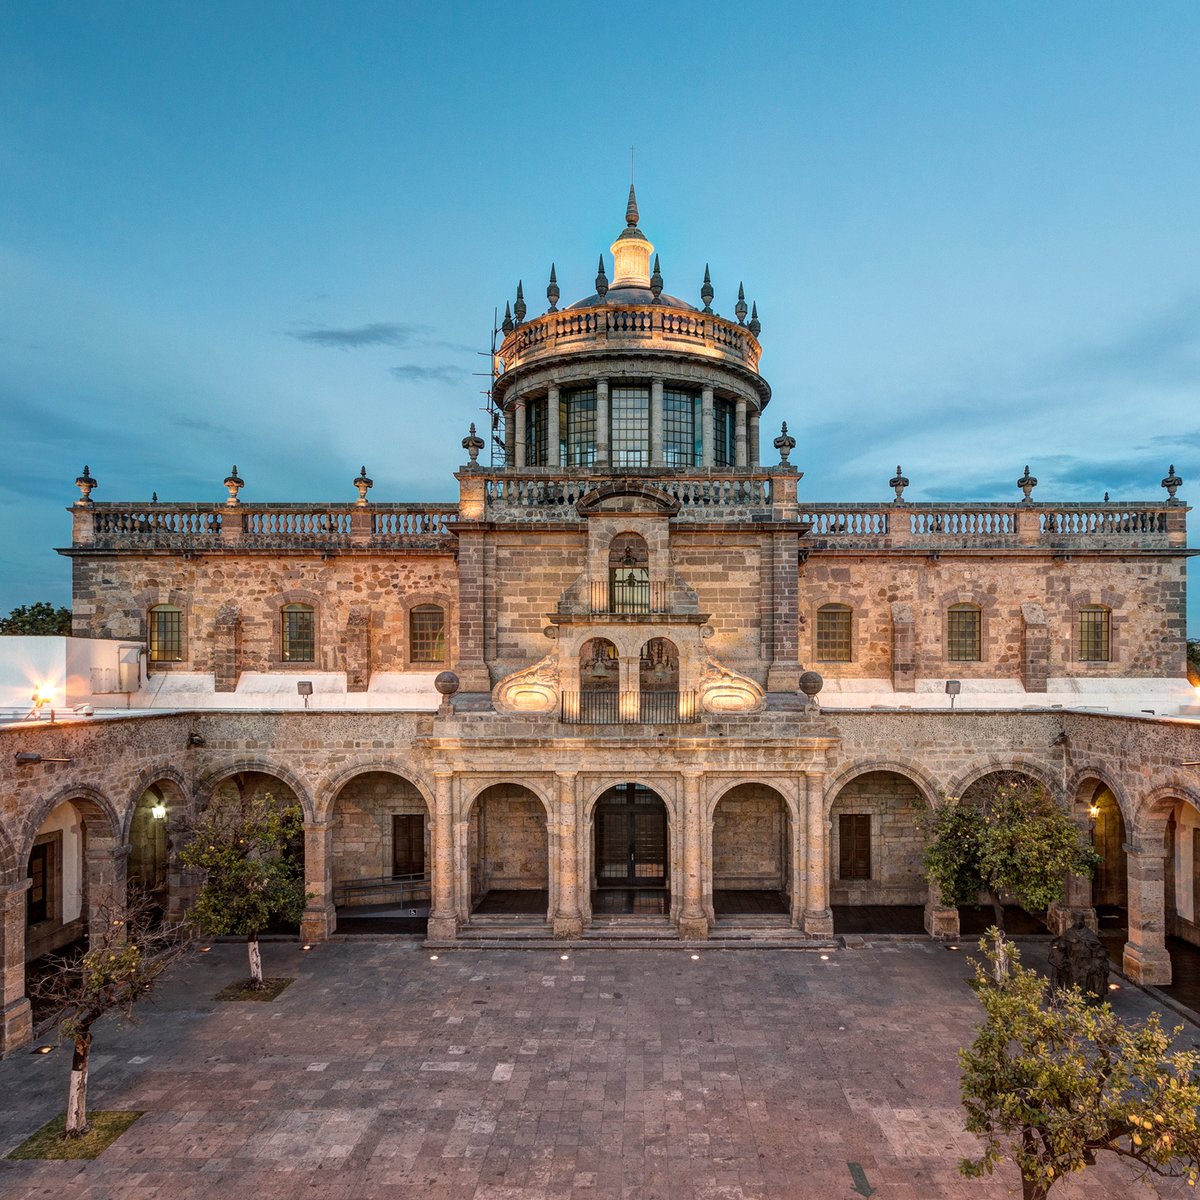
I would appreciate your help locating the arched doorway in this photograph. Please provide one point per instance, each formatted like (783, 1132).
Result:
(1110, 886)
(381, 855)
(630, 853)
(751, 853)
(509, 853)
(599, 682)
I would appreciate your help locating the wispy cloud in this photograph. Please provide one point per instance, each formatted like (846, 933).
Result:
(377, 333)
(447, 374)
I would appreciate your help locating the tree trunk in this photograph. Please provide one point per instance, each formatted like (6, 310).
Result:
(1034, 1189)
(77, 1095)
(997, 910)
(255, 952)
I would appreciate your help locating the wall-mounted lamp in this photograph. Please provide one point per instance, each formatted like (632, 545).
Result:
(953, 687)
(304, 688)
(195, 739)
(31, 757)
(158, 811)
(1094, 811)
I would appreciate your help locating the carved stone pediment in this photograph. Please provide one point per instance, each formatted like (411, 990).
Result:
(627, 496)
(532, 691)
(725, 691)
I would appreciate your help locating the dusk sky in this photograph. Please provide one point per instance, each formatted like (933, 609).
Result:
(275, 234)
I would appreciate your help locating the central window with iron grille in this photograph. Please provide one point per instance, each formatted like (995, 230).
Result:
(833, 633)
(1094, 633)
(681, 428)
(724, 423)
(535, 433)
(630, 407)
(577, 428)
(166, 634)
(963, 633)
(427, 634)
(299, 634)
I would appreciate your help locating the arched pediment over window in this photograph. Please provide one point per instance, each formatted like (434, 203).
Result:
(628, 496)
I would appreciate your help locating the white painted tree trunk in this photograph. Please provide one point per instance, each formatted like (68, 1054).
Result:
(255, 953)
(77, 1095)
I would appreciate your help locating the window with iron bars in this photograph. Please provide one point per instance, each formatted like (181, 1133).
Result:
(724, 438)
(427, 634)
(299, 634)
(166, 633)
(833, 633)
(681, 428)
(1094, 645)
(963, 633)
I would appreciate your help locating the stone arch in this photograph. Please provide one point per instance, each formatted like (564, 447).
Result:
(1149, 825)
(1017, 764)
(751, 832)
(153, 777)
(473, 789)
(210, 783)
(508, 850)
(785, 788)
(91, 803)
(925, 784)
(9, 863)
(663, 787)
(1076, 791)
(632, 847)
(326, 791)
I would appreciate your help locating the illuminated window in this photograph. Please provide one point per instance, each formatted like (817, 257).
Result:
(724, 437)
(963, 633)
(299, 634)
(833, 633)
(681, 428)
(427, 634)
(1094, 633)
(166, 633)
(630, 407)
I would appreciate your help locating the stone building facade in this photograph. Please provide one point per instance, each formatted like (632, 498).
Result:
(672, 697)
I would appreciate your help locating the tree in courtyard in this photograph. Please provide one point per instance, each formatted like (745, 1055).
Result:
(1015, 841)
(1193, 663)
(38, 620)
(128, 952)
(1051, 1080)
(251, 850)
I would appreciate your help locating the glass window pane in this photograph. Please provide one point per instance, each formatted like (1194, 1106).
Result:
(427, 634)
(1093, 634)
(630, 408)
(299, 633)
(535, 433)
(963, 633)
(679, 428)
(166, 634)
(724, 414)
(578, 426)
(833, 633)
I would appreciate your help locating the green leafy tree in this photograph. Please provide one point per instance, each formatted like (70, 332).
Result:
(251, 851)
(129, 950)
(39, 620)
(1051, 1080)
(1015, 841)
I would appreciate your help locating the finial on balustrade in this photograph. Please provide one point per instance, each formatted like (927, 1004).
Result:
(1027, 483)
(86, 484)
(507, 324)
(785, 444)
(706, 291)
(364, 485)
(899, 481)
(755, 325)
(1105, 497)
(472, 444)
(740, 307)
(1172, 483)
(601, 279)
(519, 309)
(234, 482)
(552, 292)
(153, 497)
(656, 281)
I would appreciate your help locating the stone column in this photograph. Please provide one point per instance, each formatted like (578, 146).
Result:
(706, 427)
(16, 1019)
(105, 888)
(602, 423)
(553, 427)
(568, 922)
(656, 423)
(519, 433)
(818, 920)
(739, 432)
(443, 920)
(1146, 959)
(692, 921)
(798, 893)
(319, 919)
(754, 446)
(784, 673)
(940, 920)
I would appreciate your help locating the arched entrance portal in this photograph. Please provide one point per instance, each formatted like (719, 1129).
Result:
(630, 852)
(1110, 887)
(509, 853)
(751, 852)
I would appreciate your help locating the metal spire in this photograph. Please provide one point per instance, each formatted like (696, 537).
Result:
(631, 209)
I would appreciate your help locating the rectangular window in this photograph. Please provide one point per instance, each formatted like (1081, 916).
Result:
(724, 420)
(166, 634)
(630, 408)
(854, 846)
(963, 633)
(1093, 634)
(681, 429)
(578, 428)
(299, 634)
(833, 633)
(535, 433)
(427, 634)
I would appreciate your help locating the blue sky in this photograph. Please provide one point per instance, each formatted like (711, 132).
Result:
(275, 234)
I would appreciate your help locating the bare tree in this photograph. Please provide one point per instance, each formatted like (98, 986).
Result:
(129, 950)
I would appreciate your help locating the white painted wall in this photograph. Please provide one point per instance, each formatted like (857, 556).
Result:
(63, 665)
(66, 818)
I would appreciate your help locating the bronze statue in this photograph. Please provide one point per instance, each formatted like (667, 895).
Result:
(1078, 959)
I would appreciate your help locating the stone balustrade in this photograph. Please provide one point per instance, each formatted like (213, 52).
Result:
(658, 327)
(1133, 526)
(118, 526)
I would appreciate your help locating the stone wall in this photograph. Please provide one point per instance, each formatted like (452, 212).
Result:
(749, 840)
(362, 824)
(509, 841)
(897, 843)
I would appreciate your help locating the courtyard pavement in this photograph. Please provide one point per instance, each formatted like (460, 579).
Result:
(514, 1075)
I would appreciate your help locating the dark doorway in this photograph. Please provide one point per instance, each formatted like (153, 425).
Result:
(631, 838)
(408, 844)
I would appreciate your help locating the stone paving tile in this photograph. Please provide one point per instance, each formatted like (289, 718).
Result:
(508, 1075)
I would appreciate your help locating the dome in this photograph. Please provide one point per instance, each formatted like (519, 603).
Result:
(632, 294)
